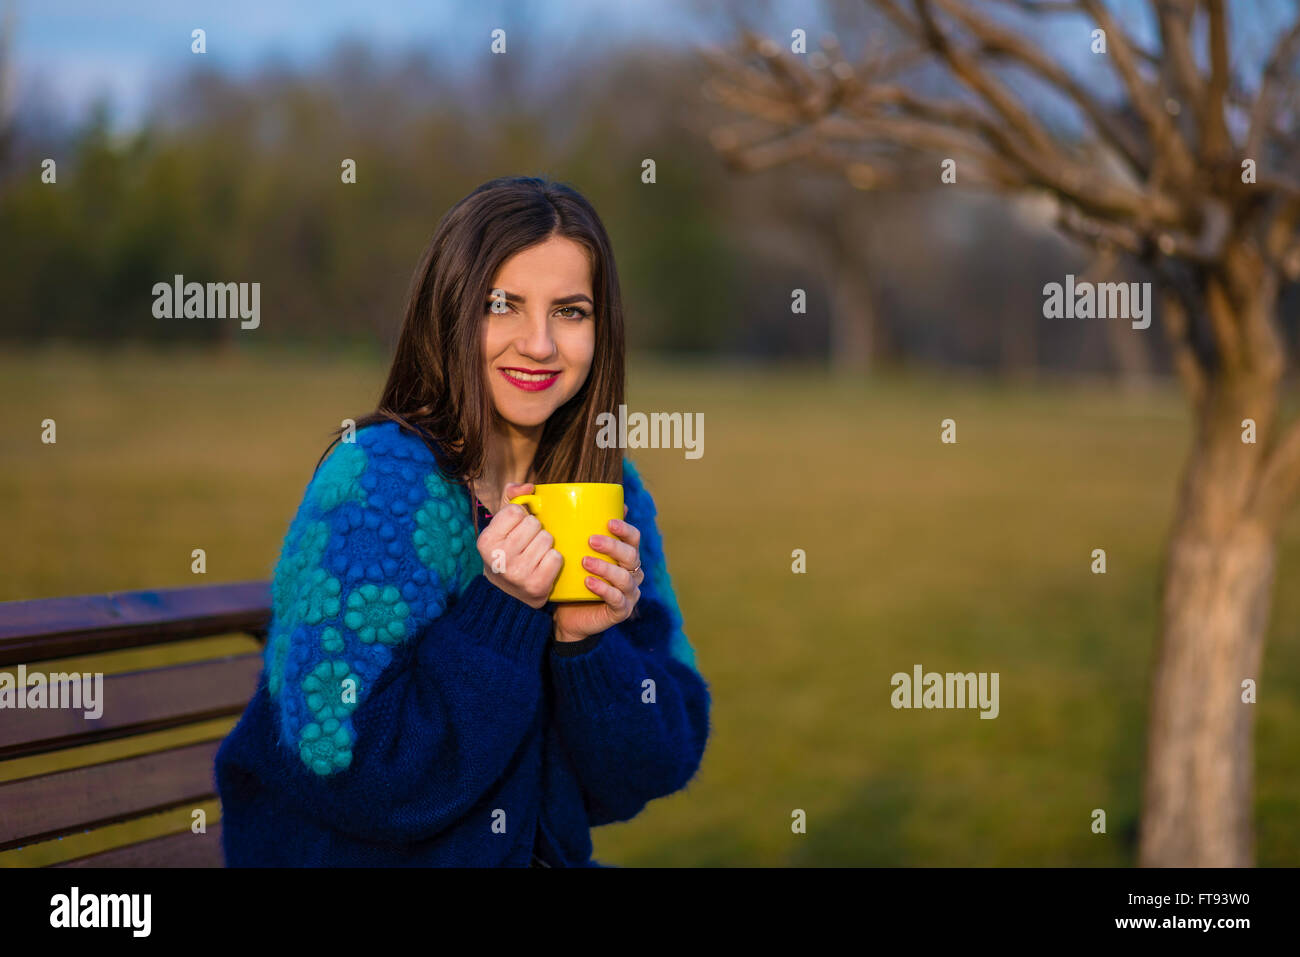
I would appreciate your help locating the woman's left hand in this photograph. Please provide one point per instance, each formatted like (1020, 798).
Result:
(616, 579)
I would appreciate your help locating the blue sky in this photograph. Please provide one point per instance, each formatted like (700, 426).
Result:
(69, 51)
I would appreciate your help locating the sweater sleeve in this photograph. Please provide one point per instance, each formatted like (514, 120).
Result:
(633, 711)
(403, 681)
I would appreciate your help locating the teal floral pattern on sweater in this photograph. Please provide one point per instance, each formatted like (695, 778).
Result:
(325, 747)
(444, 536)
(338, 478)
(377, 615)
(359, 575)
(301, 591)
(331, 690)
(381, 546)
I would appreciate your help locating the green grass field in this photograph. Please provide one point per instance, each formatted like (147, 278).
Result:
(966, 557)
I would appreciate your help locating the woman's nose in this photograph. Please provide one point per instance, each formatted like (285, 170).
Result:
(537, 343)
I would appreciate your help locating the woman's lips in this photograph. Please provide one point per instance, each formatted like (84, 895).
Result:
(530, 385)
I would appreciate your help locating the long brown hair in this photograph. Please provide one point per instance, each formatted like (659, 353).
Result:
(435, 385)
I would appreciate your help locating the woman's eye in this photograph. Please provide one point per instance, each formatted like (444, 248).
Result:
(500, 307)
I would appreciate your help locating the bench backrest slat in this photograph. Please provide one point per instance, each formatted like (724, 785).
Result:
(39, 808)
(89, 624)
(175, 850)
(132, 703)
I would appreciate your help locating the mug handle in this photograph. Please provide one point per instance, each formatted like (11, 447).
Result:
(531, 502)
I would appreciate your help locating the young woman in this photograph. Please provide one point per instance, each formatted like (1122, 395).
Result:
(417, 707)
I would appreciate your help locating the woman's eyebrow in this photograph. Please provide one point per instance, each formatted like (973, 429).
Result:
(515, 297)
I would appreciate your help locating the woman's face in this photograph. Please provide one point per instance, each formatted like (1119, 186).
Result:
(539, 318)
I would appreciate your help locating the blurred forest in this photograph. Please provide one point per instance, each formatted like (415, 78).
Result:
(238, 179)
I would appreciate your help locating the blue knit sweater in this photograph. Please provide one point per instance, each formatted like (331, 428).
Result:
(409, 712)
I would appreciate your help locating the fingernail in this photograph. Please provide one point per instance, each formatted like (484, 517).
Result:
(594, 540)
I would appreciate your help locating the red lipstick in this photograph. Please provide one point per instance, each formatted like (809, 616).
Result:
(530, 384)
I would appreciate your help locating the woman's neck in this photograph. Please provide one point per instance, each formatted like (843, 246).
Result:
(508, 458)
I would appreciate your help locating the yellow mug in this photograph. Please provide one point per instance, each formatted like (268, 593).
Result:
(572, 512)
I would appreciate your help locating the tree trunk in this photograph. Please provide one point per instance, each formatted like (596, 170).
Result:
(1198, 800)
(853, 322)
(1128, 350)
(1018, 343)
(1200, 764)
(856, 335)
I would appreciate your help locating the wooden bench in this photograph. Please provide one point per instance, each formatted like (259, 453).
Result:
(80, 792)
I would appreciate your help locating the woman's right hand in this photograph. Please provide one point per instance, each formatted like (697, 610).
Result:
(519, 556)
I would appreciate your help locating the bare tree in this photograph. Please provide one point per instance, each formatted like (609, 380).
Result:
(1194, 189)
(803, 222)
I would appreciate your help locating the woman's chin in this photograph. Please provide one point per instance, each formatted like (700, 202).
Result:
(527, 418)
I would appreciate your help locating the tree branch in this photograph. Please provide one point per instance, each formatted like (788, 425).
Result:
(1261, 114)
(1175, 20)
(1003, 156)
(1281, 244)
(1097, 233)
(1034, 150)
(1215, 141)
(1041, 6)
(999, 42)
(1170, 147)
(992, 92)
(1178, 333)
(1279, 482)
